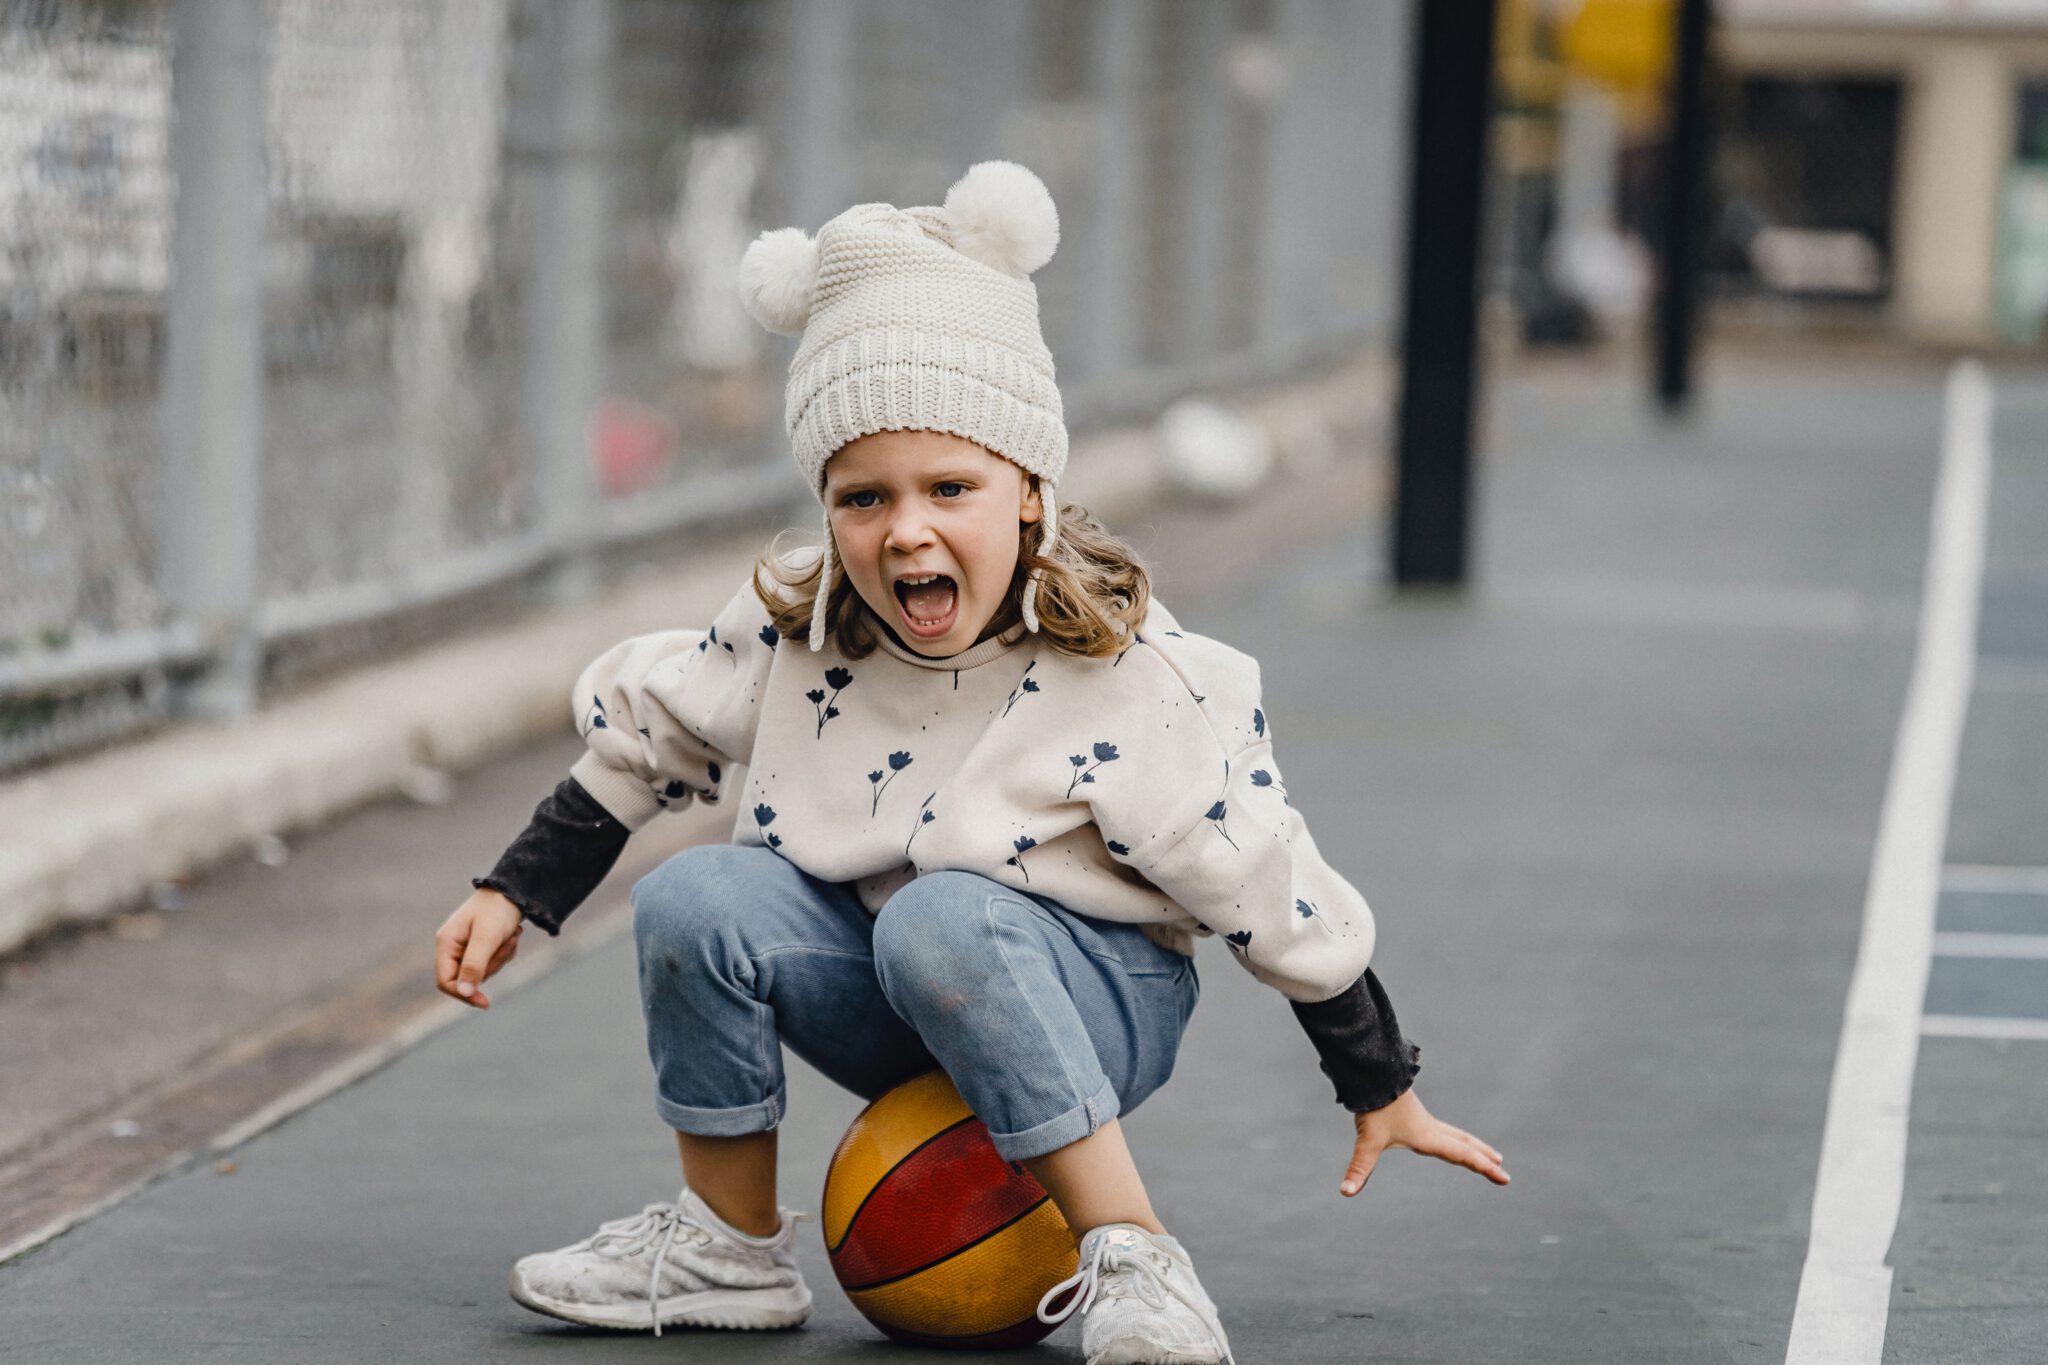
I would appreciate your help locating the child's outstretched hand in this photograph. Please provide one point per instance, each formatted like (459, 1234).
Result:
(1405, 1123)
(473, 943)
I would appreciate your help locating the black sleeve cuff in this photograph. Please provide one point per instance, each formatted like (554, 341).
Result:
(1360, 1045)
(560, 857)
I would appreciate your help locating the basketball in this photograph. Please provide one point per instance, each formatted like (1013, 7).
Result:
(936, 1239)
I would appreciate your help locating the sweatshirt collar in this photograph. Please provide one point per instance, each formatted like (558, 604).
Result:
(995, 647)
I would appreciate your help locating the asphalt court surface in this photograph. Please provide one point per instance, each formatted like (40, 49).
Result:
(1614, 810)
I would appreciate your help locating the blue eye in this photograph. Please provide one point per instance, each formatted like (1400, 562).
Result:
(850, 499)
(961, 486)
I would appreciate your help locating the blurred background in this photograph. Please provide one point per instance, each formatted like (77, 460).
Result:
(457, 329)
(492, 324)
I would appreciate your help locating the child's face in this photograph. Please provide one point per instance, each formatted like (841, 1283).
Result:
(907, 504)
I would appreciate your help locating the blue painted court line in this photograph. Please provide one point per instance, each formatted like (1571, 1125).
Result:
(1992, 912)
(1989, 974)
(2004, 987)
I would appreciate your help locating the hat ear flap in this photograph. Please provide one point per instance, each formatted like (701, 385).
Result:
(1003, 216)
(777, 274)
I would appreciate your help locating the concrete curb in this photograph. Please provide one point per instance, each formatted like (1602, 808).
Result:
(87, 840)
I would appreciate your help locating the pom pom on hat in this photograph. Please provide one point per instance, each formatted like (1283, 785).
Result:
(1003, 216)
(776, 277)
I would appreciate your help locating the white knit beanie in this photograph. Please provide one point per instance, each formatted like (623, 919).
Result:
(919, 319)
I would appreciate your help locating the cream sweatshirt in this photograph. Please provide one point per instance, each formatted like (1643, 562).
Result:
(1139, 788)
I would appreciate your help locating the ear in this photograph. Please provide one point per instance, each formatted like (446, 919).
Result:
(1033, 506)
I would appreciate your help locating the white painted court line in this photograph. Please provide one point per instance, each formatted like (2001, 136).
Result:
(1845, 1286)
(1974, 1026)
(2006, 881)
(1948, 944)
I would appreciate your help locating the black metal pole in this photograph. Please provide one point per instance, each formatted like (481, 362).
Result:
(1685, 206)
(1453, 75)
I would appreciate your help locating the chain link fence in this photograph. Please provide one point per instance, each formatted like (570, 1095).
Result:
(479, 341)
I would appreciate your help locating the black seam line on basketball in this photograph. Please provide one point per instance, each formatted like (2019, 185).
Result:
(967, 1246)
(855, 1218)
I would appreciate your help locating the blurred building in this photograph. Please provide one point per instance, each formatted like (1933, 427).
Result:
(1891, 154)
(1879, 164)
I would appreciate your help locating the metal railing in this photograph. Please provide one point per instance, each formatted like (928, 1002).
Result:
(329, 325)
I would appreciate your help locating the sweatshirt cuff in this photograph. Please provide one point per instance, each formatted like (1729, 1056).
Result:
(560, 857)
(625, 797)
(1360, 1046)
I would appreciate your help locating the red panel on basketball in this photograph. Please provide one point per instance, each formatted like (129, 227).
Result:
(936, 1238)
(943, 1197)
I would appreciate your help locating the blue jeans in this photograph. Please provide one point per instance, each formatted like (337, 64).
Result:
(1048, 1022)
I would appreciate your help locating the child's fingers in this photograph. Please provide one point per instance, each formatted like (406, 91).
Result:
(1476, 1141)
(448, 945)
(1481, 1143)
(1364, 1157)
(1478, 1159)
(476, 958)
(1489, 1168)
(1465, 1150)
(503, 955)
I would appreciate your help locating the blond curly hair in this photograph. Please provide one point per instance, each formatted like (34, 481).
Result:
(1091, 600)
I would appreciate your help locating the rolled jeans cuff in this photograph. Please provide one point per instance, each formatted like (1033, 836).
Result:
(1056, 1132)
(748, 1118)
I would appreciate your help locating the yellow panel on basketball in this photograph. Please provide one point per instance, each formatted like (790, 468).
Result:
(917, 1111)
(995, 1283)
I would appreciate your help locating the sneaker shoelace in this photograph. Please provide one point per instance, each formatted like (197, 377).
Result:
(1149, 1282)
(626, 1237)
(623, 1238)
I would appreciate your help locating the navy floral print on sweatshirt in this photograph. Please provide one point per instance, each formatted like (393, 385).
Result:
(1023, 843)
(1216, 813)
(1029, 684)
(1262, 778)
(837, 679)
(764, 816)
(1105, 752)
(712, 639)
(1308, 911)
(924, 817)
(898, 761)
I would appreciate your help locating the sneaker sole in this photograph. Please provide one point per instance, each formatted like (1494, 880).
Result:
(1147, 1353)
(739, 1310)
(1133, 1350)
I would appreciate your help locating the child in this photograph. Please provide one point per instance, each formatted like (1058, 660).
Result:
(994, 794)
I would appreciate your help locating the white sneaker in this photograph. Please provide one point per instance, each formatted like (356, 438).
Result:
(1147, 1306)
(673, 1263)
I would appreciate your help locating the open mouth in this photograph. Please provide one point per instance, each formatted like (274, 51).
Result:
(929, 602)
